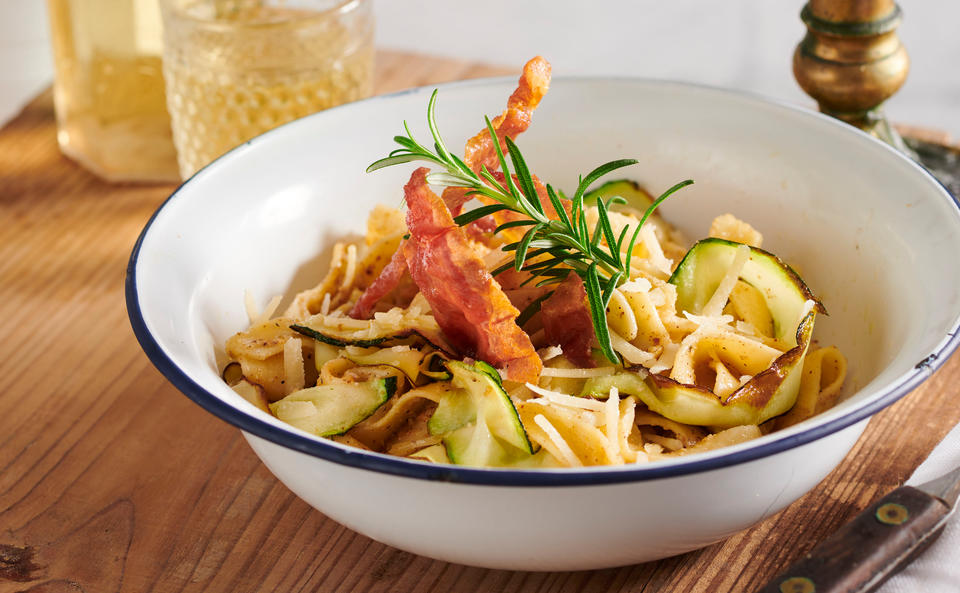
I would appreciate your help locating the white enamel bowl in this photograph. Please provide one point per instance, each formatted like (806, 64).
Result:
(873, 234)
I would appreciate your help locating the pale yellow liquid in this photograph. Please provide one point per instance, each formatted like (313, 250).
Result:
(109, 91)
(235, 72)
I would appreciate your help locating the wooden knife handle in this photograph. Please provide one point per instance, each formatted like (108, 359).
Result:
(866, 551)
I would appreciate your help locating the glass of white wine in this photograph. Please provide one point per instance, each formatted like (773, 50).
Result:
(237, 68)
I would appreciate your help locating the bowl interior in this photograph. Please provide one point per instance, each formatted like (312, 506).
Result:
(868, 230)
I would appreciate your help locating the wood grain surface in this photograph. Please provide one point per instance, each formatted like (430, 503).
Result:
(111, 480)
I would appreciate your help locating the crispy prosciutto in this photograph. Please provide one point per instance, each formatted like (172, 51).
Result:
(567, 322)
(480, 152)
(474, 313)
(389, 278)
(455, 198)
(533, 85)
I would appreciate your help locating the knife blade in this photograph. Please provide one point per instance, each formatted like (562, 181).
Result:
(878, 542)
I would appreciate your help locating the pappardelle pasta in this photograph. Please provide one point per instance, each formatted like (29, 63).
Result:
(537, 330)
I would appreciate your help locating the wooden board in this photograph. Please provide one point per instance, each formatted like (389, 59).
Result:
(111, 480)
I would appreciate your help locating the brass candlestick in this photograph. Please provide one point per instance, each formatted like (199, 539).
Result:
(851, 61)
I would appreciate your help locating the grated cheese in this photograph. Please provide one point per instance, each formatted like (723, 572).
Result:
(630, 353)
(639, 284)
(271, 308)
(627, 415)
(563, 399)
(293, 365)
(253, 314)
(706, 322)
(649, 239)
(611, 411)
(667, 357)
(550, 352)
(351, 270)
(577, 373)
(566, 453)
(715, 305)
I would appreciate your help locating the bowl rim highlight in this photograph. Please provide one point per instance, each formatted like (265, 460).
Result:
(328, 450)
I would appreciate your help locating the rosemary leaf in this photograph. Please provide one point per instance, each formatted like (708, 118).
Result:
(532, 309)
(478, 213)
(663, 197)
(630, 245)
(599, 313)
(623, 235)
(549, 281)
(445, 179)
(600, 171)
(609, 287)
(523, 175)
(396, 160)
(603, 221)
(558, 206)
(513, 224)
(524, 245)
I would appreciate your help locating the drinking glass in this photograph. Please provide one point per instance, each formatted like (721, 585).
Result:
(109, 96)
(237, 68)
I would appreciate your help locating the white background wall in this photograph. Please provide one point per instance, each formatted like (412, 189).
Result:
(745, 44)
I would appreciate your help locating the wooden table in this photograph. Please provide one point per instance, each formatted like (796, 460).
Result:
(111, 480)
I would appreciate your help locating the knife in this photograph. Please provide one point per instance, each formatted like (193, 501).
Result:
(877, 543)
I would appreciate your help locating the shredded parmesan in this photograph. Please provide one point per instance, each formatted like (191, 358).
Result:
(667, 443)
(293, 365)
(658, 297)
(325, 306)
(566, 453)
(640, 284)
(666, 359)
(627, 414)
(630, 353)
(351, 270)
(577, 373)
(271, 308)
(419, 305)
(611, 412)
(566, 400)
(653, 450)
(706, 322)
(253, 314)
(657, 258)
(715, 305)
(550, 352)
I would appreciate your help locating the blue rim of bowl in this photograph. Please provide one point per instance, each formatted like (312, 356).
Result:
(514, 477)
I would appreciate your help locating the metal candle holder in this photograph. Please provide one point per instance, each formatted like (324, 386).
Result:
(851, 61)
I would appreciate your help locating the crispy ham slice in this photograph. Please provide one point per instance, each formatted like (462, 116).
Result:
(389, 278)
(533, 85)
(480, 152)
(471, 309)
(567, 321)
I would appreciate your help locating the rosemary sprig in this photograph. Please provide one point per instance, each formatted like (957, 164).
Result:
(550, 248)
